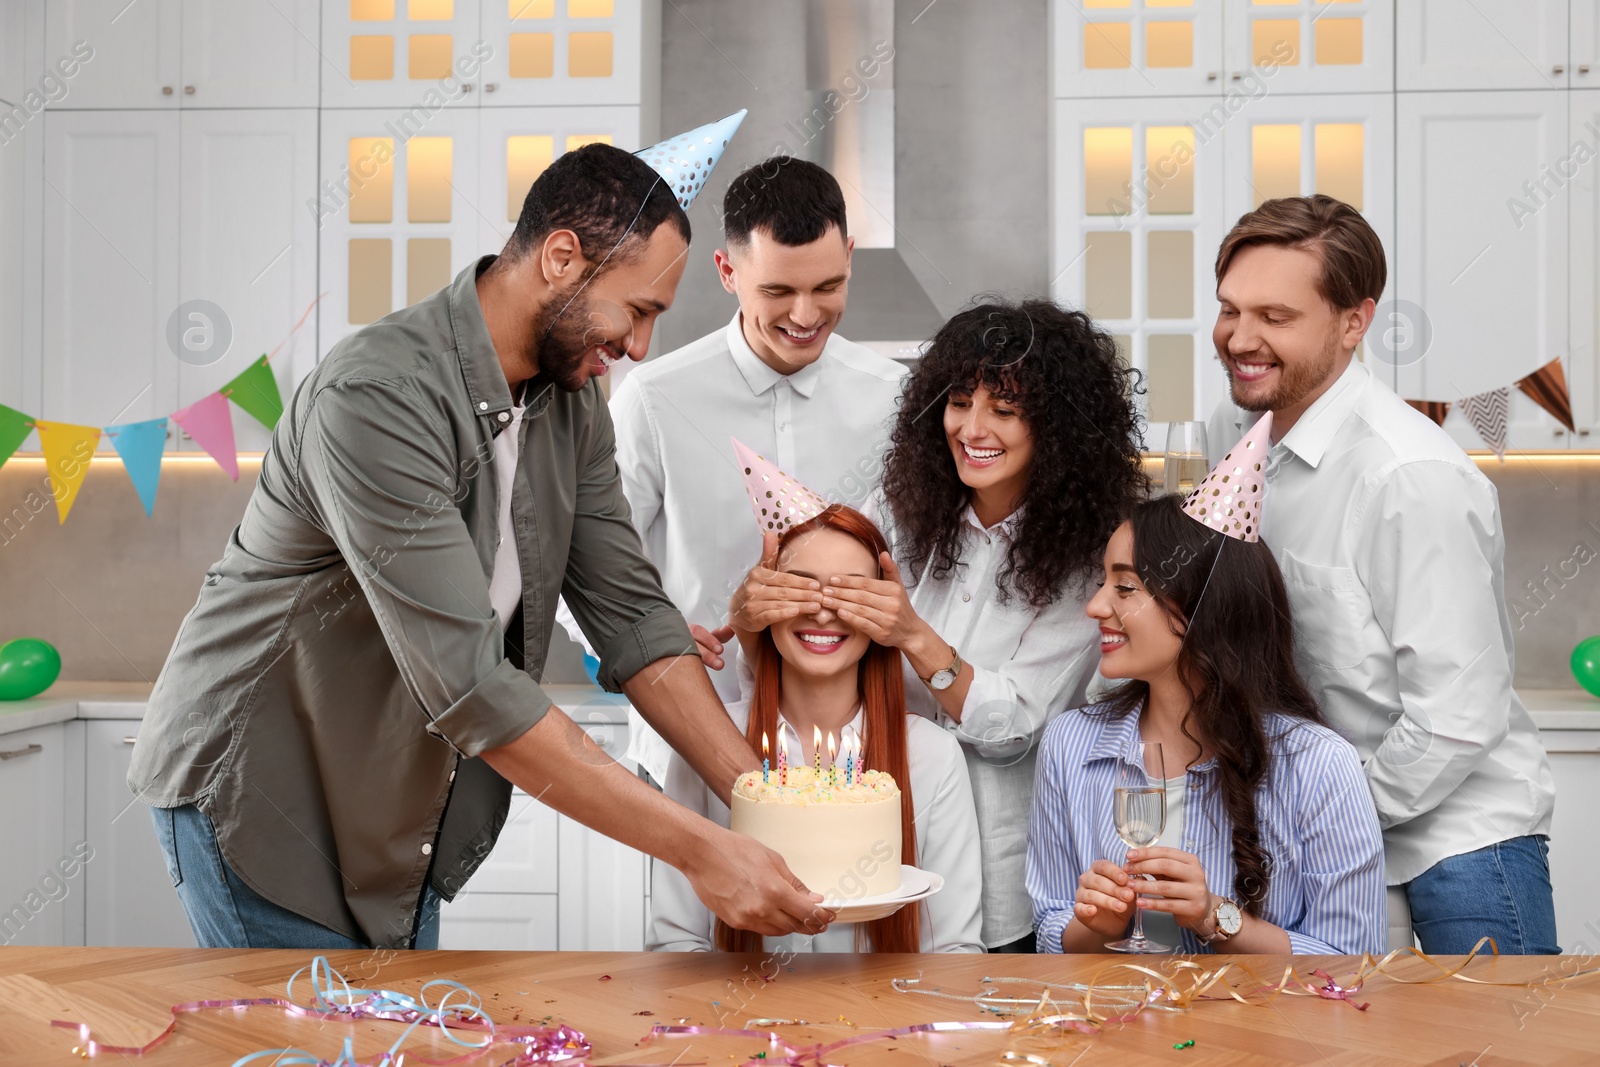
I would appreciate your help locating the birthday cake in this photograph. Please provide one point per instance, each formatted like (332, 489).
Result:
(840, 836)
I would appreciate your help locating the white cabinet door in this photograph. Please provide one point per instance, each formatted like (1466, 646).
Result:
(136, 60)
(1119, 52)
(546, 52)
(111, 224)
(1583, 48)
(1136, 215)
(249, 245)
(12, 76)
(44, 867)
(421, 55)
(516, 144)
(246, 53)
(1583, 366)
(1484, 44)
(1310, 46)
(510, 922)
(602, 892)
(129, 899)
(398, 214)
(1574, 863)
(523, 859)
(1482, 249)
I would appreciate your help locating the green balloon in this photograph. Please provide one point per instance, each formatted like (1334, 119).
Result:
(28, 666)
(1586, 664)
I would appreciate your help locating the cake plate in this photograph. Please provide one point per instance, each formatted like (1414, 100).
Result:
(915, 885)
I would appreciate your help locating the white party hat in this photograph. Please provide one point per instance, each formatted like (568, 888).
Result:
(686, 160)
(1229, 500)
(778, 500)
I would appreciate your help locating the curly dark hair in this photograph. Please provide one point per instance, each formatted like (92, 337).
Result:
(1237, 656)
(1076, 396)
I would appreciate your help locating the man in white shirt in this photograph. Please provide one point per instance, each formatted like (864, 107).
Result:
(779, 379)
(1390, 543)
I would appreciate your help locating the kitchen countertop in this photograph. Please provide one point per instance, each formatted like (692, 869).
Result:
(1552, 709)
(615, 998)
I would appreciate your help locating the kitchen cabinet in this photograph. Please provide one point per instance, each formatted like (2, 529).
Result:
(1101, 51)
(128, 896)
(1583, 358)
(1483, 249)
(416, 53)
(1485, 44)
(1315, 47)
(147, 210)
(42, 878)
(1574, 862)
(170, 54)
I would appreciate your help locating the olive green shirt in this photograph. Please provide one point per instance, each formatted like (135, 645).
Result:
(327, 695)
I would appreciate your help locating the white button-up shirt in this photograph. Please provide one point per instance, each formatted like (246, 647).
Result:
(1390, 543)
(1028, 666)
(826, 424)
(946, 835)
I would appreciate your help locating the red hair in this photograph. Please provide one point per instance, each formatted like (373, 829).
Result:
(881, 686)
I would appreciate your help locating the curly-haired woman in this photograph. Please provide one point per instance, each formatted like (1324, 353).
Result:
(1014, 455)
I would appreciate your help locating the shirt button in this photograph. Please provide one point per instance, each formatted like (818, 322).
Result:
(452, 776)
(505, 416)
(427, 849)
(483, 405)
(965, 597)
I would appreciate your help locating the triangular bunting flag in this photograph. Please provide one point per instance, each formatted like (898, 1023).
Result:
(68, 450)
(140, 445)
(256, 391)
(1547, 387)
(210, 422)
(1487, 413)
(14, 429)
(685, 161)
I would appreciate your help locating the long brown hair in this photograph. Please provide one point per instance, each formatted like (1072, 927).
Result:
(881, 688)
(1237, 657)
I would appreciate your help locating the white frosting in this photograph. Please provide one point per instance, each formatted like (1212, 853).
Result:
(842, 841)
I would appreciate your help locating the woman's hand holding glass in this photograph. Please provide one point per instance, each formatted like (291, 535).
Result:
(1179, 888)
(1104, 902)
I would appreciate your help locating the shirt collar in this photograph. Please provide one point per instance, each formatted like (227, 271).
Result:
(1312, 434)
(761, 377)
(480, 364)
(1119, 738)
(1006, 526)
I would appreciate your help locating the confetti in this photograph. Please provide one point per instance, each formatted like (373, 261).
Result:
(1185, 1044)
(644, 1013)
(605, 978)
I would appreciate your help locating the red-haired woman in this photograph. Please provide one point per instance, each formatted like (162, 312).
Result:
(819, 673)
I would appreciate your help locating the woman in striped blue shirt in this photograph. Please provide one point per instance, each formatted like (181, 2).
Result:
(1272, 844)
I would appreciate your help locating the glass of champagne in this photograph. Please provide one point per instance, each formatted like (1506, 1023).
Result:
(1140, 811)
(1185, 466)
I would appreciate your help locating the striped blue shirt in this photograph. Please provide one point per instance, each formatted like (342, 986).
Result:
(1318, 830)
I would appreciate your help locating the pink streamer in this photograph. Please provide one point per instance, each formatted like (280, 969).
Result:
(814, 1055)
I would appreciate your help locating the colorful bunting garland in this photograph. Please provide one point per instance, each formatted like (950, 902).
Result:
(69, 448)
(1489, 413)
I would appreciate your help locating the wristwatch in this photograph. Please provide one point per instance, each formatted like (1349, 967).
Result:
(946, 678)
(1226, 920)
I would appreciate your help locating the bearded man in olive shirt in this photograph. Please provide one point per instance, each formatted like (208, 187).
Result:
(330, 748)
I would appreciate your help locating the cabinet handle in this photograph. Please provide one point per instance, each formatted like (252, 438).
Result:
(1583, 68)
(488, 87)
(1558, 69)
(1583, 433)
(1237, 75)
(166, 90)
(130, 740)
(14, 753)
(188, 90)
(466, 87)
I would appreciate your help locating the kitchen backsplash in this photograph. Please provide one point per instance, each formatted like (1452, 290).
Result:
(110, 587)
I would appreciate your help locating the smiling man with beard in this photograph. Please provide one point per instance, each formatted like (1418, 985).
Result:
(330, 748)
(1392, 552)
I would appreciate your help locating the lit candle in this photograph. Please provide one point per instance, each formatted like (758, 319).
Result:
(833, 767)
(765, 764)
(816, 749)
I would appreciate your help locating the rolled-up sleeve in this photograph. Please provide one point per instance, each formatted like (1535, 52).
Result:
(612, 588)
(376, 467)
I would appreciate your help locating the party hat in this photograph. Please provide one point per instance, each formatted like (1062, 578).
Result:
(685, 161)
(1229, 500)
(778, 500)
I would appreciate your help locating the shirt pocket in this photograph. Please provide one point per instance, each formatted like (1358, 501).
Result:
(1330, 612)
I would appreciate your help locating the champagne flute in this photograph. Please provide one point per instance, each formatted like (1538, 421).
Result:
(1185, 466)
(1140, 811)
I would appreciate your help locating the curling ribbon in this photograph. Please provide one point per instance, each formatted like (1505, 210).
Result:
(332, 998)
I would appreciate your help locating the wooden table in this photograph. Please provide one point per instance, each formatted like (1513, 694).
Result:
(124, 995)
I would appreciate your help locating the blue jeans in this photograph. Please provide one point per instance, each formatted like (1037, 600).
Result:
(225, 913)
(1502, 891)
